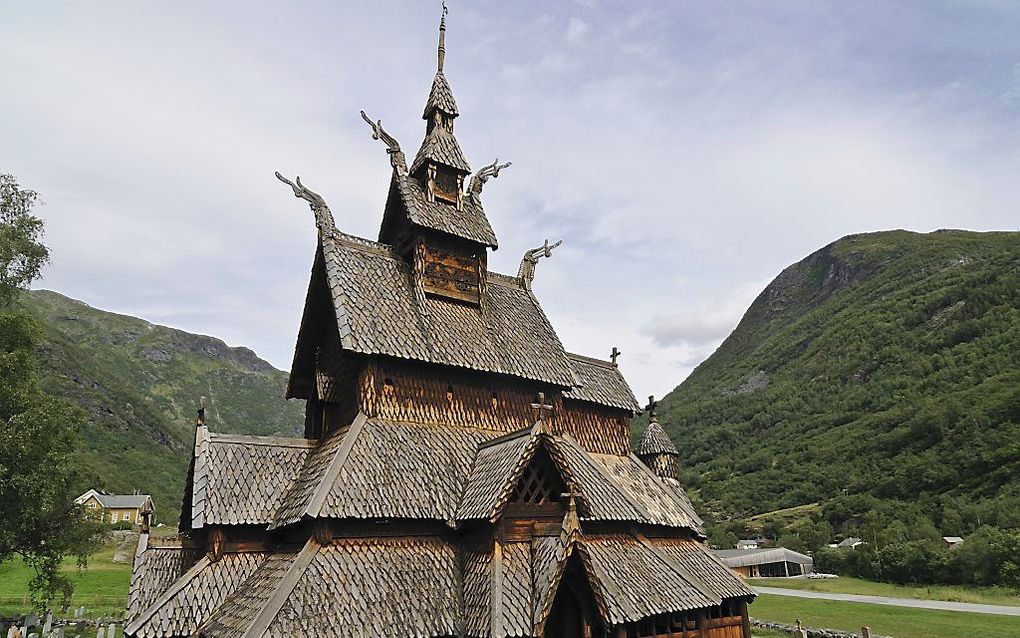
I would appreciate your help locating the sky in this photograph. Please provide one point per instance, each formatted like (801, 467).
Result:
(685, 152)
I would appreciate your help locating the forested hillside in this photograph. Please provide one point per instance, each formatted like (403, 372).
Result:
(140, 384)
(885, 366)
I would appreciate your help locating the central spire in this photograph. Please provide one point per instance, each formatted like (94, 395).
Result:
(442, 39)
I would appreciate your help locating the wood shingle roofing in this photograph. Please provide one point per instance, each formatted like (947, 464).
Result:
(655, 441)
(240, 480)
(600, 382)
(469, 222)
(378, 312)
(440, 98)
(380, 469)
(193, 596)
(440, 146)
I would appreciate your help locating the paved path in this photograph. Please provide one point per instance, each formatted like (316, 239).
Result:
(898, 602)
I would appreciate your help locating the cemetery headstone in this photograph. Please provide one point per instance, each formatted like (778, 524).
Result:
(111, 630)
(31, 620)
(101, 633)
(47, 627)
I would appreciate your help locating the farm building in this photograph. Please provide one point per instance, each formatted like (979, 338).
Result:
(766, 563)
(460, 473)
(114, 508)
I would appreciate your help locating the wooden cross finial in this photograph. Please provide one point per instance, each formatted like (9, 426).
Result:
(614, 355)
(541, 408)
(651, 407)
(201, 412)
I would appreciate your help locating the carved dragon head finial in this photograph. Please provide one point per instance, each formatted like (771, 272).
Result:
(323, 216)
(526, 273)
(392, 146)
(483, 174)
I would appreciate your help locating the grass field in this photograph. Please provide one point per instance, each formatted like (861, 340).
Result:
(101, 589)
(961, 594)
(901, 622)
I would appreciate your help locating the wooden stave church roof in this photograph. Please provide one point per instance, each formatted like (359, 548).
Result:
(429, 586)
(275, 483)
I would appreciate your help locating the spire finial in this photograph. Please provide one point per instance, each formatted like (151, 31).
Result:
(442, 37)
(651, 408)
(614, 355)
(200, 421)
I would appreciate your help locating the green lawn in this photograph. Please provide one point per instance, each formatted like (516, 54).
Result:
(962, 594)
(901, 622)
(102, 588)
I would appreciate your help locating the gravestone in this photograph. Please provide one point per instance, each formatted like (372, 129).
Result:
(31, 620)
(101, 633)
(58, 632)
(47, 627)
(33, 635)
(111, 630)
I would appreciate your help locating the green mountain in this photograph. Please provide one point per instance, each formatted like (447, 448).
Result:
(885, 365)
(140, 384)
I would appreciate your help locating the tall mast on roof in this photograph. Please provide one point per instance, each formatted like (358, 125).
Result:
(442, 38)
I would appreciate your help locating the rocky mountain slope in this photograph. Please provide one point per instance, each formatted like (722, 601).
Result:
(140, 384)
(885, 364)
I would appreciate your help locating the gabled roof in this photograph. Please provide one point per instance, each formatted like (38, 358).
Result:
(600, 382)
(115, 501)
(744, 557)
(193, 596)
(405, 586)
(469, 222)
(379, 313)
(154, 569)
(378, 469)
(655, 441)
(440, 145)
(241, 480)
(428, 586)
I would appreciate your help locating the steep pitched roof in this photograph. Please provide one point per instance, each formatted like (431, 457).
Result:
(378, 468)
(378, 312)
(655, 441)
(153, 570)
(408, 586)
(241, 480)
(190, 599)
(600, 382)
(469, 222)
(440, 145)
(440, 98)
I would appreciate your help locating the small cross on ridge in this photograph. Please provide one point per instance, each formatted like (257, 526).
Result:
(541, 408)
(651, 407)
(614, 355)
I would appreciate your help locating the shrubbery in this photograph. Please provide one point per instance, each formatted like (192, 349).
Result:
(989, 556)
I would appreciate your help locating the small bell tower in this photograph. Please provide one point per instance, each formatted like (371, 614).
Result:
(655, 449)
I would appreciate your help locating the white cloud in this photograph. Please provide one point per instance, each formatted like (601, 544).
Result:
(577, 29)
(694, 150)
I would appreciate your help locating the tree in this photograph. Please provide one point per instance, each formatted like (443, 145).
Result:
(38, 433)
(22, 253)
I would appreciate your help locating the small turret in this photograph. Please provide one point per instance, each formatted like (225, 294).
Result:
(655, 449)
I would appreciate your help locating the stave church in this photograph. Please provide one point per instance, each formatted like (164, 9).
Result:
(460, 473)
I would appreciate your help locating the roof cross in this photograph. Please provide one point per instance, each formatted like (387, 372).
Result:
(651, 407)
(614, 355)
(541, 408)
